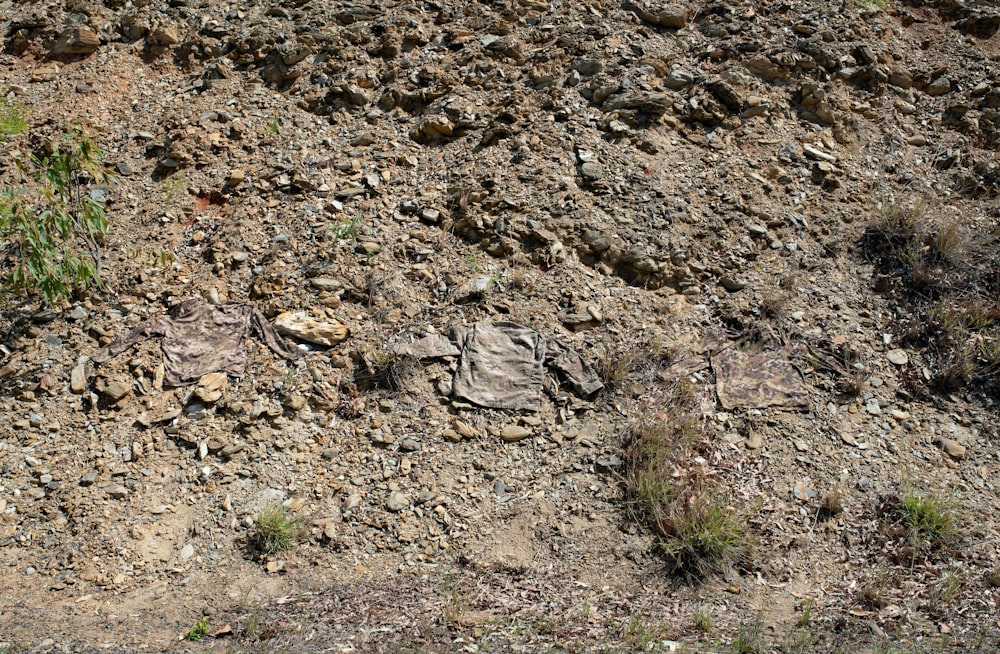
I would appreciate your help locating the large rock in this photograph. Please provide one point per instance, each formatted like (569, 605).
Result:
(302, 326)
(76, 40)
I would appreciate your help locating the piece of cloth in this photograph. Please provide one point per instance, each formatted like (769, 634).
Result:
(757, 380)
(199, 338)
(501, 364)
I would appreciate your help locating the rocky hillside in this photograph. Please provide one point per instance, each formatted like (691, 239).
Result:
(787, 209)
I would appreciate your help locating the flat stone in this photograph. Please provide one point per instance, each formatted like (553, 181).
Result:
(952, 448)
(608, 463)
(514, 433)
(872, 407)
(186, 552)
(300, 325)
(897, 357)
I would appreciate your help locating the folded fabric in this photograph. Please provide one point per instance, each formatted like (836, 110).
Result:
(501, 364)
(199, 338)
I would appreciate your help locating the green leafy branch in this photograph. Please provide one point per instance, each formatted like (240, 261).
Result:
(52, 226)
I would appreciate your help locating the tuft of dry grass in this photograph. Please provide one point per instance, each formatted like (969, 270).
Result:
(699, 533)
(946, 276)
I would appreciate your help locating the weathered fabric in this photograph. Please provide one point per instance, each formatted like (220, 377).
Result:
(502, 364)
(199, 338)
(757, 380)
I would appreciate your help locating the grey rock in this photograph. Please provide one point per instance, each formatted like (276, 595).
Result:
(117, 491)
(397, 501)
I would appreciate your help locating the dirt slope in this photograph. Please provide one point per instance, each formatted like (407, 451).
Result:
(611, 174)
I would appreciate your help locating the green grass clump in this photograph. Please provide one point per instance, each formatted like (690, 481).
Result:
(13, 117)
(276, 528)
(930, 519)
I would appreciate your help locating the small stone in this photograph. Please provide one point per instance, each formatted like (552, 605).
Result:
(464, 430)
(409, 445)
(88, 479)
(591, 171)
(45, 72)
(211, 386)
(514, 433)
(77, 313)
(236, 178)
(754, 441)
(872, 406)
(186, 552)
(673, 16)
(164, 36)
(397, 502)
(732, 284)
(940, 86)
(117, 491)
(952, 448)
(897, 357)
(111, 389)
(608, 463)
(76, 40)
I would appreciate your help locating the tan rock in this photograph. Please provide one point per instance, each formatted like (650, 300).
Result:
(952, 448)
(164, 36)
(78, 379)
(211, 386)
(76, 40)
(45, 72)
(112, 390)
(300, 325)
(514, 433)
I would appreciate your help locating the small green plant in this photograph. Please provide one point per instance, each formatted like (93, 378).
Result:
(251, 625)
(872, 4)
(703, 619)
(199, 630)
(929, 518)
(750, 638)
(806, 616)
(274, 124)
(276, 528)
(54, 225)
(640, 636)
(13, 117)
(345, 230)
(174, 188)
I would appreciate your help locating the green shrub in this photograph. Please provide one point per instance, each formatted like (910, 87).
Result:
(53, 228)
